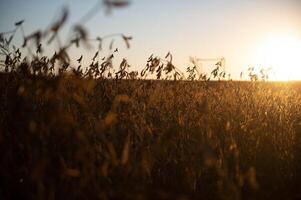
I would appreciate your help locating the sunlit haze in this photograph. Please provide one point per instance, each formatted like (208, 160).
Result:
(281, 54)
(258, 33)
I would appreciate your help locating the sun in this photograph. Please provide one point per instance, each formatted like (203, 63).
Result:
(282, 54)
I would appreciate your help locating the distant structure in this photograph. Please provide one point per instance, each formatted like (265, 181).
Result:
(198, 62)
(220, 61)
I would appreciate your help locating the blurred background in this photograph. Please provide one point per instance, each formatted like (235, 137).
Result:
(260, 33)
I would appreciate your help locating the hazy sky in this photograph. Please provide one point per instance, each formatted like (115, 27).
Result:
(233, 29)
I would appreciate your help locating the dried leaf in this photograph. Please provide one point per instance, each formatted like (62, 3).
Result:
(19, 23)
(80, 59)
(73, 173)
(63, 18)
(83, 34)
(126, 40)
(110, 119)
(111, 44)
(116, 3)
(96, 54)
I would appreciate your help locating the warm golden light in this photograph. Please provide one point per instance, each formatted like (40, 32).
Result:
(282, 53)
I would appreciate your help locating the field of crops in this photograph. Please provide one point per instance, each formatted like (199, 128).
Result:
(72, 130)
(83, 138)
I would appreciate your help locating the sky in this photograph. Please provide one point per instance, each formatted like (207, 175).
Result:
(245, 32)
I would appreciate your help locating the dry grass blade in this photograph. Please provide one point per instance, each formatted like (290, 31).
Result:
(126, 151)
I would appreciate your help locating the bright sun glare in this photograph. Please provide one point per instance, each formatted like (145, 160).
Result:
(282, 53)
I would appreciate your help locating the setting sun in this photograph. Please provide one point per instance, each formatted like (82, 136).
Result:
(281, 53)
